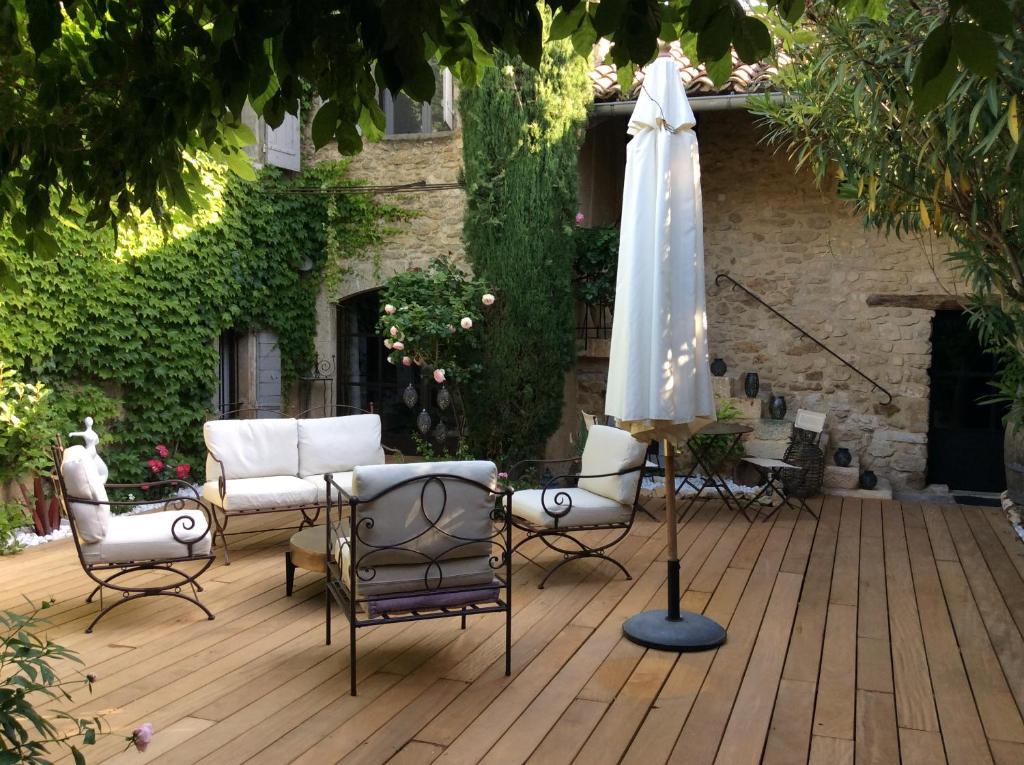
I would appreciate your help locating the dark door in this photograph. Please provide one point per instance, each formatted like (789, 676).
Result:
(965, 437)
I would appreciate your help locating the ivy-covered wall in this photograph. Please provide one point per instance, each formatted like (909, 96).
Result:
(139, 314)
(522, 130)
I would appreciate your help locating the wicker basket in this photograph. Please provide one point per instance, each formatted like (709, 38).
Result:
(803, 451)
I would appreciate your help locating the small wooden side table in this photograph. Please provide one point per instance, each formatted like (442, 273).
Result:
(305, 551)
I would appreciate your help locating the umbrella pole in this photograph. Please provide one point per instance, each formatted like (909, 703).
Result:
(671, 522)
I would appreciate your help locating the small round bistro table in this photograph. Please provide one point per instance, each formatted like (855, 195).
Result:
(305, 551)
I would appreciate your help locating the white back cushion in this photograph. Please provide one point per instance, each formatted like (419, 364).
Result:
(254, 448)
(338, 444)
(610, 450)
(82, 481)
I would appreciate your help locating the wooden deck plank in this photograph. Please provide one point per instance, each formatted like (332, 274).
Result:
(847, 563)
(789, 738)
(877, 740)
(921, 747)
(573, 729)
(834, 711)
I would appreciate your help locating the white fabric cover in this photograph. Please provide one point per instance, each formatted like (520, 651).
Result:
(148, 537)
(658, 374)
(587, 508)
(254, 448)
(338, 444)
(610, 450)
(344, 480)
(82, 480)
(426, 529)
(261, 493)
(387, 579)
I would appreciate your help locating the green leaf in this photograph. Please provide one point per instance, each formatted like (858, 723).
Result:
(993, 15)
(792, 10)
(936, 70)
(715, 39)
(44, 22)
(583, 39)
(719, 71)
(566, 22)
(324, 123)
(976, 48)
(752, 40)
(607, 15)
(700, 13)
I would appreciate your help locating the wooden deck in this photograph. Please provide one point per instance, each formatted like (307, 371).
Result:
(884, 632)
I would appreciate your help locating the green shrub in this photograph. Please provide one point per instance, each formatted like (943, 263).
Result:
(12, 518)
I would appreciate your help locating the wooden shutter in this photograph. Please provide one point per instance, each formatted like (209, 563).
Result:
(268, 373)
(283, 145)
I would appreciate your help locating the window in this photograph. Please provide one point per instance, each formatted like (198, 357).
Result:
(403, 116)
(227, 398)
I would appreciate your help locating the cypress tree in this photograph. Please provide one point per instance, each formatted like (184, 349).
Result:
(522, 130)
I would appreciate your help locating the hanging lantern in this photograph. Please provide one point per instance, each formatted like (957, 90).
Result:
(410, 396)
(444, 398)
(423, 421)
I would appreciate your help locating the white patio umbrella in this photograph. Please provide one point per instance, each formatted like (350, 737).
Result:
(659, 382)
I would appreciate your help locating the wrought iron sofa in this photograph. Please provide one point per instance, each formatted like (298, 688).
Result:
(418, 541)
(603, 496)
(173, 543)
(271, 465)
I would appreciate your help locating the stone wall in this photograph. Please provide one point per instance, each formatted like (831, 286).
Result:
(434, 230)
(804, 252)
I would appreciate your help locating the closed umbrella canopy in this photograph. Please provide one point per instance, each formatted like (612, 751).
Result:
(659, 383)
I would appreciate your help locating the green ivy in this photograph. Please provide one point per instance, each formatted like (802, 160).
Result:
(522, 129)
(139, 316)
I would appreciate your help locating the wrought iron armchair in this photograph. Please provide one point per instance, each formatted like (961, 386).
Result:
(603, 496)
(111, 547)
(418, 541)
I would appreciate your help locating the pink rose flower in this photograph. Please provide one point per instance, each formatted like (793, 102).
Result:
(182, 471)
(394, 331)
(389, 309)
(439, 376)
(155, 465)
(162, 450)
(579, 219)
(144, 487)
(406, 361)
(503, 476)
(398, 345)
(487, 299)
(142, 735)
(388, 344)
(466, 323)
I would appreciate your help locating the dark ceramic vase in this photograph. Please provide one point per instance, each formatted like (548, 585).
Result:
(751, 384)
(777, 407)
(842, 457)
(868, 480)
(718, 367)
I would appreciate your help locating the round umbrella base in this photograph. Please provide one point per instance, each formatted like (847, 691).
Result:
(692, 632)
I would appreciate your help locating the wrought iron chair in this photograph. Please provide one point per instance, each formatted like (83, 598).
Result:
(603, 496)
(113, 546)
(418, 541)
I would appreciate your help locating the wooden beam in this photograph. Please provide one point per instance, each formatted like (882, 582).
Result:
(925, 302)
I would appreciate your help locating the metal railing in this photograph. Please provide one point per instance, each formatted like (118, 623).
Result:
(736, 285)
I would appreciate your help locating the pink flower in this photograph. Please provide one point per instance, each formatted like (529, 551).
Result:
(142, 735)
(162, 450)
(389, 309)
(398, 345)
(406, 361)
(579, 219)
(466, 323)
(439, 376)
(487, 299)
(182, 471)
(388, 344)
(394, 331)
(155, 465)
(503, 476)
(145, 487)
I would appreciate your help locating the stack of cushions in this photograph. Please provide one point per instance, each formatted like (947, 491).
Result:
(107, 538)
(429, 529)
(270, 464)
(593, 500)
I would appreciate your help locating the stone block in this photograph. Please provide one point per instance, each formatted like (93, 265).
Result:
(749, 408)
(723, 387)
(773, 430)
(841, 477)
(882, 491)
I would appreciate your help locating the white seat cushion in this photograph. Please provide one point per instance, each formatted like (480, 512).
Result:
(587, 508)
(254, 448)
(82, 480)
(344, 480)
(338, 444)
(261, 493)
(148, 537)
(610, 450)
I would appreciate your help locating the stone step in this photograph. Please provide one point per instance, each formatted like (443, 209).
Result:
(882, 491)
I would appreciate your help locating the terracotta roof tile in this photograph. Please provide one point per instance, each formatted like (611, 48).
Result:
(745, 78)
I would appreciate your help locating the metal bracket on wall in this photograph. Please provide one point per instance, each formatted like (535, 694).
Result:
(736, 285)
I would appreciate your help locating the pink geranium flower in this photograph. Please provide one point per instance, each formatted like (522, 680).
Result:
(466, 323)
(389, 309)
(394, 331)
(398, 345)
(487, 299)
(406, 361)
(155, 465)
(142, 735)
(579, 219)
(439, 376)
(162, 450)
(182, 471)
